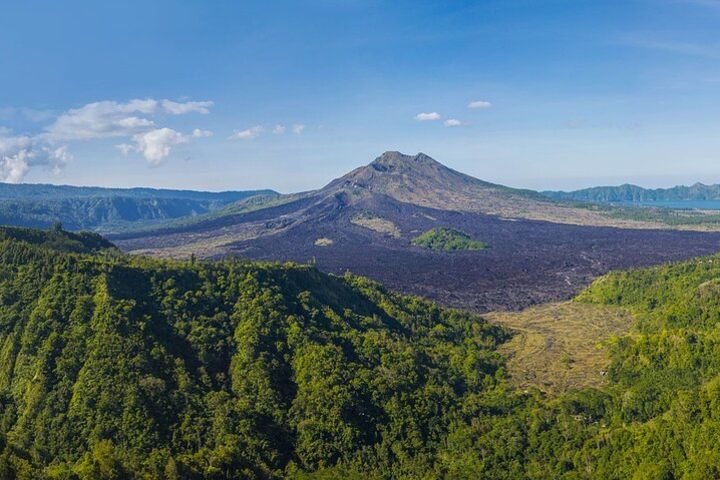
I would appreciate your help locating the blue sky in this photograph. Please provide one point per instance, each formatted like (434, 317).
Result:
(288, 95)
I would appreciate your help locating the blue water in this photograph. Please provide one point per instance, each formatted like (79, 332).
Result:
(683, 204)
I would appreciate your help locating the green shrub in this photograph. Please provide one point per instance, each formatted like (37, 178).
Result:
(447, 240)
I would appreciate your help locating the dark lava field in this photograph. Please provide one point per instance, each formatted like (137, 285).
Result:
(364, 222)
(528, 262)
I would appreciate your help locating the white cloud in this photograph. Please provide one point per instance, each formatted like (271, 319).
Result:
(479, 104)
(298, 128)
(15, 158)
(19, 153)
(14, 167)
(248, 134)
(155, 145)
(279, 129)
(108, 119)
(59, 156)
(452, 122)
(197, 133)
(105, 119)
(125, 148)
(424, 117)
(178, 108)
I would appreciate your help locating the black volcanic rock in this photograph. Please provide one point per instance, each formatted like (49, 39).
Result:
(364, 222)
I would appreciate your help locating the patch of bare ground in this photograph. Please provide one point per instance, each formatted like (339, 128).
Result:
(561, 346)
(323, 242)
(377, 224)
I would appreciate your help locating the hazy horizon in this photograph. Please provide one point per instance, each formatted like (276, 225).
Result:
(539, 184)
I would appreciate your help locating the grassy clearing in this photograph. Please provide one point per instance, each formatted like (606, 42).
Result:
(561, 346)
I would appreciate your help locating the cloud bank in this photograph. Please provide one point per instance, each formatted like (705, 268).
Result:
(20, 153)
(135, 120)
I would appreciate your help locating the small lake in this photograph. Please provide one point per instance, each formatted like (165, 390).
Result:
(682, 204)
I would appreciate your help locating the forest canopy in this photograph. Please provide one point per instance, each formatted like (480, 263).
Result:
(115, 367)
(447, 240)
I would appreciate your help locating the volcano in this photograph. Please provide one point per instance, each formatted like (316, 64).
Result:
(365, 222)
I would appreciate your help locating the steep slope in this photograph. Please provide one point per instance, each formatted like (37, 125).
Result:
(118, 367)
(106, 209)
(365, 222)
(423, 181)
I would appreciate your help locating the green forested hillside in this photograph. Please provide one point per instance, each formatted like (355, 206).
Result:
(116, 367)
(666, 376)
(57, 239)
(107, 209)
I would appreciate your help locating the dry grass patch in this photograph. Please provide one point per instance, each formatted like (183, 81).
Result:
(323, 242)
(377, 224)
(561, 346)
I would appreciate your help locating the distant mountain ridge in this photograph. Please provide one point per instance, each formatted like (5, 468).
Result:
(103, 209)
(47, 190)
(634, 193)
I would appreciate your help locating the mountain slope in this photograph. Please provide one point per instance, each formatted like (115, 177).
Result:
(113, 367)
(634, 193)
(116, 367)
(365, 222)
(58, 239)
(106, 209)
(423, 181)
